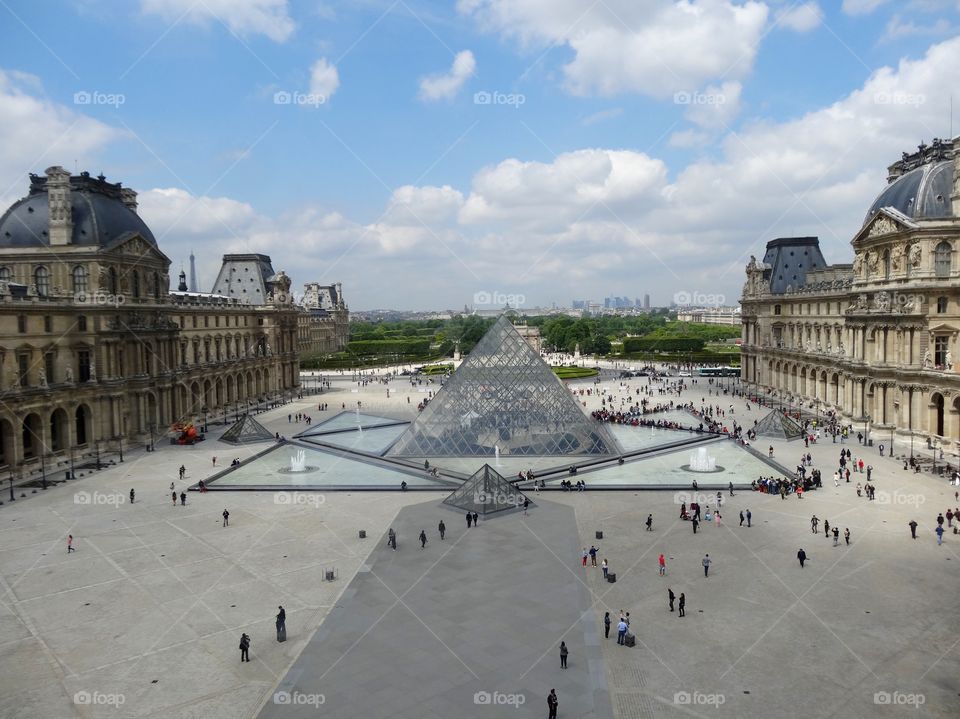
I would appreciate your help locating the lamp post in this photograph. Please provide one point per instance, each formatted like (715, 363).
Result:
(866, 421)
(43, 466)
(12, 498)
(120, 445)
(73, 474)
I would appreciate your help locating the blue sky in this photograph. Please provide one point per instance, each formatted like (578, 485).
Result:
(593, 176)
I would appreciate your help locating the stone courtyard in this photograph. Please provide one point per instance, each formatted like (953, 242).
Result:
(143, 620)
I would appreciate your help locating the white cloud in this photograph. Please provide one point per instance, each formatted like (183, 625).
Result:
(244, 17)
(898, 28)
(862, 7)
(446, 86)
(633, 46)
(801, 18)
(602, 116)
(324, 79)
(714, 107)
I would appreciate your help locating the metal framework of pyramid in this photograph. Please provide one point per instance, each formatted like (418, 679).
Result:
(504, 398)
(779, 426)
(486, 492)
(247, 430)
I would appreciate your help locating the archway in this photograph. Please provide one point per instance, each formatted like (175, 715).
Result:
(82, 419)
(58, 430)
(8, 454)
(936, 414)
(32, 436)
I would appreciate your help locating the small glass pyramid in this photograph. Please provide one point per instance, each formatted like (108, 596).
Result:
(779, 426)
(486, 492)
(247, 430)
(504, 400)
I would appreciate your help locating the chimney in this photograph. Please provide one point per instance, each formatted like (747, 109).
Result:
(60, 230)
(955, 195)
(129, 198)
(182, 287)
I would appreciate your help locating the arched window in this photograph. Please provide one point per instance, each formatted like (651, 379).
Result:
(886, 265)
(41, 279)
(112, 281)
(135, 283)
(4, 274)
(79, 280)
(942, 259)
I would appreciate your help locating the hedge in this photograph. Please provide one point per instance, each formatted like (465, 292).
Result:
(404, 346)
(665, 344)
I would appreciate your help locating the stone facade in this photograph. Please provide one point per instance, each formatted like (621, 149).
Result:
(324, 320)
(874, 340)
(96, 350)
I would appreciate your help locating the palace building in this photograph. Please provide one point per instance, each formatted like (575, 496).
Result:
(874, 341)
(95, 350)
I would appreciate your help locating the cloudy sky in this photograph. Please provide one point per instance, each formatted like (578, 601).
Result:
(427, 152)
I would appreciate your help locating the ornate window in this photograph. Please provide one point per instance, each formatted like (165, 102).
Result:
(941, 305)
(942, 259)
(135, 283)
(886, 264)
(82, 323)
(940, 346)
(41, 279)
(79, 275)
(5, 274)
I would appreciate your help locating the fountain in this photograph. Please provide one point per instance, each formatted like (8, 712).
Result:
(702, 462)
(359, 428)
(298, 464)
(496, 455)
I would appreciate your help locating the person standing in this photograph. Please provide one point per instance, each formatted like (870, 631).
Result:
(563, 655)
(939, 531)
(593, 556)
(281, 624)
(682, 604)
(836, 536)
(132, 495)
(552, 704)
(226, 516)
(70, 547)
(605, 567)
(469, 520)
(802, 556)
(476, 519)
(913, 528)
(173, 496)
(826, 527)
(392, 539)
(749, 517)
(442, 528)
(741, 517)
(606, 625)
(695, 523)
(621, 630)
(244, 647)
(706, 562)
(670, 597)
(813, 524)
(183, 499)
(585, 555)
(846, 536)
(663, 564)
(214, 461)
(526, 504)
(423, 539)
(731, 489)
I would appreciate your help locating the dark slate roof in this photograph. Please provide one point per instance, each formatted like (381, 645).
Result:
(99, 215)
(789, 259)
(921, 193)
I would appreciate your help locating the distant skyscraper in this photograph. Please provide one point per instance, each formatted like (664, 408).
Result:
(193, 273)
(646, 302)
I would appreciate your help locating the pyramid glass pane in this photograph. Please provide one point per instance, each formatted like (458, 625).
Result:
(369, 440)
(349, 420)
(486, 492)
(246, 430)
(504, 398)
(779, 426)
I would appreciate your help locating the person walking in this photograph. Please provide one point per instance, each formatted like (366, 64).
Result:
(476, 520)
(670, 597)
(585, 555)
(70, 547)
(552, 704)
(731, 488)
(442, 528)
(913, 528)
(173, 496)
(939, 530)
(281, 624)
(526, 504)
(244, 647)
(706, 562)
(813, 524)
(563, 655)
(836, 536)
(469, 520)
(226, 518)
(132, 495)
(741, 517)
(621, 630)
(423, 539)
(392, 539)
(846, 536)
(663, 565)
(183, 499)
(605, 567)
(749, 517)
(681, 604)
(802, 556)
(606, 625)
(826, 527)
(649, 522)
(593, 556)
(695, 523)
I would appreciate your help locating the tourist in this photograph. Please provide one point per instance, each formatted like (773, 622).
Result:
(526, 505)
(813, 524)
(939, 531)
(183, 499)
(563, 655)
(392, 539)
(70, 547)
(696, 523)
(605, 567)
(552, 704)
(802, 556)
(846, 536)
(214, 461)
(670, 598)
(663, 565)
(731, 488)
(132, 494)
(585, 555)
(469, 520)
(442, 528)
(749, 517)
(621, 630)
(173, 496)
(826, 527)
(226, 517)
(173, 487)
(706, 562)
(836, 536)
(741, 517)
(606, 623)
(719, 518)
(423, 539)
(475, 518)
(913, 528)
(682, 604)
(281, 624)
(649, 522)
(244, 647)
(593, 556)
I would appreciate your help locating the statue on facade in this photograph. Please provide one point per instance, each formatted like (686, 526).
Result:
(68, 375)
(873, 262)
(862, 301)
(14, 379)
(927, 359)
(269, 352)
(882, 301)
(915, 255)
(897, 256)
(93, 371)
(858, 265)
(949, 361)
(42, 378)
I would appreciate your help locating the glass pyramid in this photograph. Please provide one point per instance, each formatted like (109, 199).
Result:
(247, 430)
(504, 399)
(779, 426)
(486, 492)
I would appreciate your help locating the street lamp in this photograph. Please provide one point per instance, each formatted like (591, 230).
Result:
(73, 475)
(43, 466)
(120, 445)
(12, 498)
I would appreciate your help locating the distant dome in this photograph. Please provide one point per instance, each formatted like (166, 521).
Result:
(922, 193)
(99, 215)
